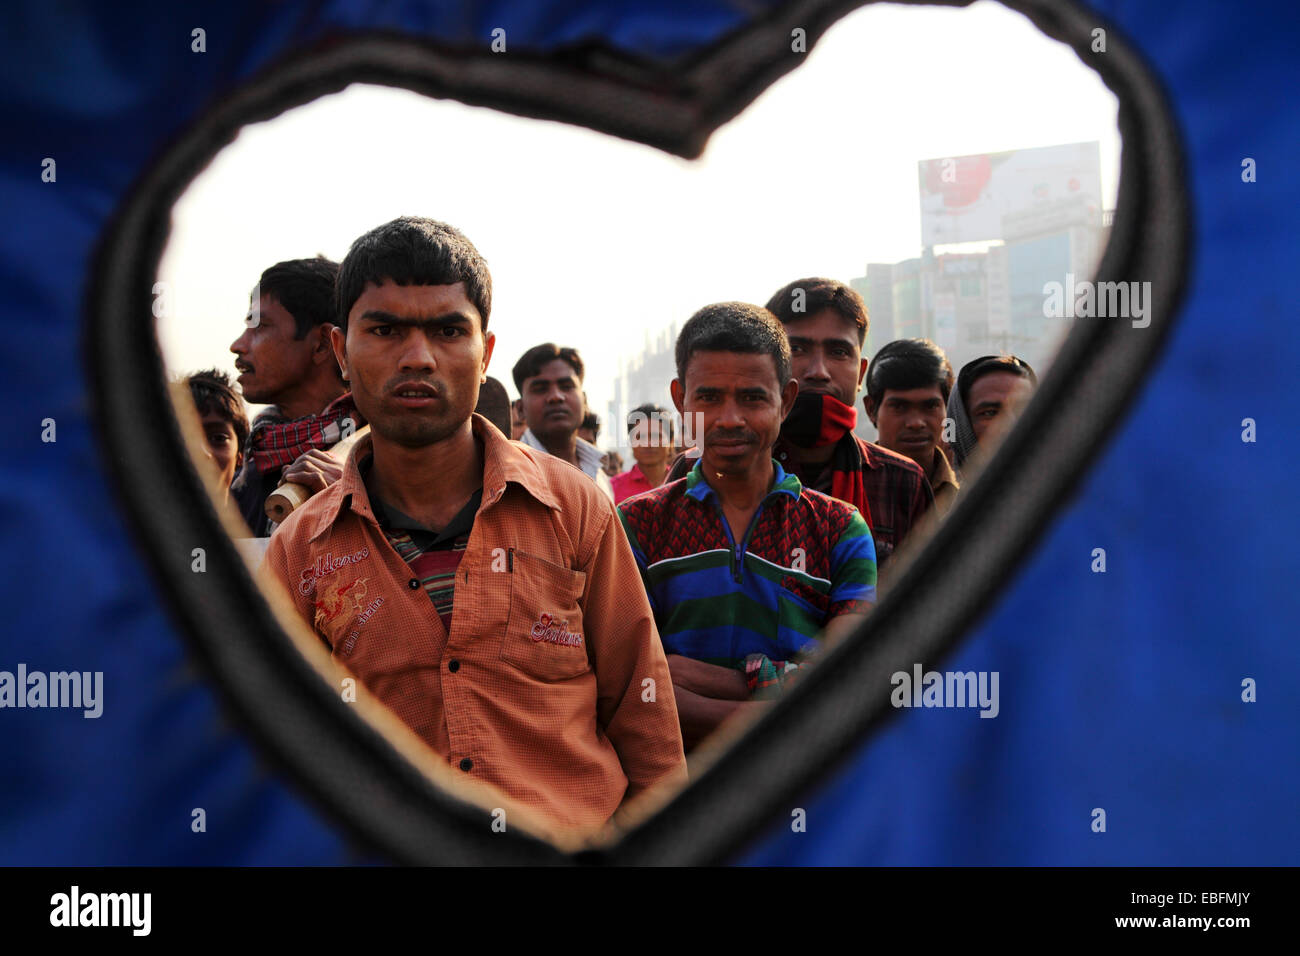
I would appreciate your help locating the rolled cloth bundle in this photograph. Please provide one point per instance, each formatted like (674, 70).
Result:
(281, 502)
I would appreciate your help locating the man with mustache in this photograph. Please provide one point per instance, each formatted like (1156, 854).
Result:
(826, 322)
(475, 586)
(747, 570)
(285, 360)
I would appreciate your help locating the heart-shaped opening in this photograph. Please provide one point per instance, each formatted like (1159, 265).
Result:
(394, 792)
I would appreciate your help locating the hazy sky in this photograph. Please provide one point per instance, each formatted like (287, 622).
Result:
(597, 243)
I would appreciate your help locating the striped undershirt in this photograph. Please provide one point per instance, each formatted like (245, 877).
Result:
(433, 556)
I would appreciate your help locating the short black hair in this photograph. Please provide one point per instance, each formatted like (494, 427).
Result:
(531, 362)
(305, 287)
(591, 420)
(494, 404)
(652, 412)
(213, 391)
(413, 251)
(976, 369)
(734, 327)
(905, 364)
(818, 294)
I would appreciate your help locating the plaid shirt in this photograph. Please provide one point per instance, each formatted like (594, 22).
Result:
(538, 687)
(804, 559)
(898, 493)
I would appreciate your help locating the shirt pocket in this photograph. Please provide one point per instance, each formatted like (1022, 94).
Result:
(545, 637)
(803, 611)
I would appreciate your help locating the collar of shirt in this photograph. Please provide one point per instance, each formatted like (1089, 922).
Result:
(589, 462)
(588, 454)
(391, 518)
(502, 463)
(783, 483)
(941, 472)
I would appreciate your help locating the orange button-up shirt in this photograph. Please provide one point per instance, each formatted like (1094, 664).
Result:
(542, 688)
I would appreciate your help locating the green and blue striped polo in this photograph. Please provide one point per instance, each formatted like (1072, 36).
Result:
(805, 559)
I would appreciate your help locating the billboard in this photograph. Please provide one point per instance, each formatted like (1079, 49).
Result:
(963, 198)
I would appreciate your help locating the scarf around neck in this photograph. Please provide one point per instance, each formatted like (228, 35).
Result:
(276, 443)
(816, 421)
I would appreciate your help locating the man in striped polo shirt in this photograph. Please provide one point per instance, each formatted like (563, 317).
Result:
(744, 567)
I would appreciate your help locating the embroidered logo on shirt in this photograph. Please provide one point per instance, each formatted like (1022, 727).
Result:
(551, 631)
(364, 616)
(327, 564)
(338, 597)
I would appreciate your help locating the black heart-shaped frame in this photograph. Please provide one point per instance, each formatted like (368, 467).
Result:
(343, 762)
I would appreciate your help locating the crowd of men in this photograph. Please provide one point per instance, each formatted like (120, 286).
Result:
(549, 623)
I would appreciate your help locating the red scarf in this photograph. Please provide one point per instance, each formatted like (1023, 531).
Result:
(816, 421)
(277, 443)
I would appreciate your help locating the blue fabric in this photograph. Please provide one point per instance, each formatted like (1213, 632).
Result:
(1119, 690)
(1122, 691)
(102, 90)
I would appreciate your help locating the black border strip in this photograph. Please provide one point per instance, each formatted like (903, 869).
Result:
(346, 767)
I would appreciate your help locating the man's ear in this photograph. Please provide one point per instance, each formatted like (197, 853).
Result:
(679, 396)
(239, 462)
(338, 343)
(321, 351)
(862, 371)
(870, 405)
(788, 395)
(489, 343)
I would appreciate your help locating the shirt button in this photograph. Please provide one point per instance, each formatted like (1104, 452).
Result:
(466, 764)
(413, 584)
(453, 666)
(781, 456)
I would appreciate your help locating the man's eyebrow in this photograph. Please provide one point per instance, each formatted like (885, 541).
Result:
(806, 341)
(988, 403)
(539, 380)
(388, 318)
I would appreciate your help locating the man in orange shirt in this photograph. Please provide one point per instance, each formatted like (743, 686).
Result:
(477, 587)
